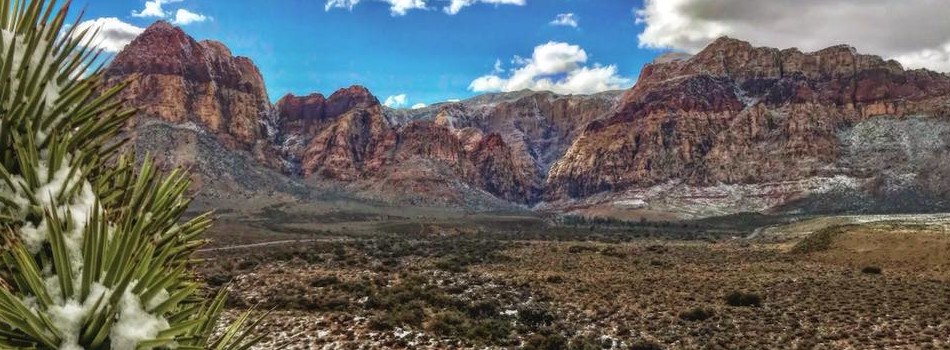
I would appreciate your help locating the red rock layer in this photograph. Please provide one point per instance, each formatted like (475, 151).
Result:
(176, 79)
(735, 113)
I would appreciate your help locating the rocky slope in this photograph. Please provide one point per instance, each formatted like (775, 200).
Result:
(175, 79)
(734, 128)
(736, 115)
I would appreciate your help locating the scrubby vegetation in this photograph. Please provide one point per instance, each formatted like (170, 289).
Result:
(440, 292)
(742, 299)
(820, 240)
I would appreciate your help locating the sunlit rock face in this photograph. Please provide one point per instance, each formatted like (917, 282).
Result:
(733, 128)
(738, 114)
(176, 79)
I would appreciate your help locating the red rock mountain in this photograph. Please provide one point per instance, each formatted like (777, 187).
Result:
(738, 114)
(175, 79)
(734, 128)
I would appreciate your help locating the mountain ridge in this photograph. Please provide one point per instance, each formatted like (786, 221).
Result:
(731, 115)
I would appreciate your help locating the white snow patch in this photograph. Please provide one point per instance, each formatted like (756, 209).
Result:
(134, 323)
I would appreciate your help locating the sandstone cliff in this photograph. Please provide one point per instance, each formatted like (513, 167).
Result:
(737, 114)
(733, 128)
(175, 79)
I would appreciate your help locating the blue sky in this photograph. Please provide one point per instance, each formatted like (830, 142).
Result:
(426, 54)
(426, 51)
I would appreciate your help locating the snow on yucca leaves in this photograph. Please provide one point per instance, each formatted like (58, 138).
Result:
(93, 254)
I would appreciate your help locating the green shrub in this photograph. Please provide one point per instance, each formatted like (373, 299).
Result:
(447, 323)
(535, 317)
(491, 331)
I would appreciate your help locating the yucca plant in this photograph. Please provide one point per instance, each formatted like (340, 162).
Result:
(94, 253)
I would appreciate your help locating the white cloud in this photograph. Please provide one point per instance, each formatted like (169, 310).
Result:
(915, 32)
(340, 4)
(401, 7)
(565, 19)
(184, 17)
(453, 100)
(396, 101)
(557, 67)
(418, 106)
(396, 7)
(456, 5)
(153, 8)
(113, 33)
(498, 68)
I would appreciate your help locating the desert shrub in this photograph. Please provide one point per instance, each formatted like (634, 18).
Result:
(742, 299)
(382, 322)
(555, 279)
(483, 309)
(546, 342)
(613, 252)
(535, 317)
(820, 240)
(447, 323)
(645, 345)
(588, 343)
(492, 331)
(579, 249)
(324, 281)
(697, 314)
(410, 314)
(871, 270)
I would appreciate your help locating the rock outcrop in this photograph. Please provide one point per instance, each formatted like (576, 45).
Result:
(173, 78)
(737, 114)
(733, 128)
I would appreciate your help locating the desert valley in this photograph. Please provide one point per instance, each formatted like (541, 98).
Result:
(619, 220)
(739, 197)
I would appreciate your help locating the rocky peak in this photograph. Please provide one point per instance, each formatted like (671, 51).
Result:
(175, 79)
(310, 107)
(160, 49)
(739, 114)
(349, 98)
(215, 48)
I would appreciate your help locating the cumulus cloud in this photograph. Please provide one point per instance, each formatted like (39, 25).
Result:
(557, 67)
(113, 33)
(456, 5)
(185, 17)
(401, 7)
(914, 32)
(340, 4)
(565, 19)
(396, 101)
(418, 106)
(153, 8)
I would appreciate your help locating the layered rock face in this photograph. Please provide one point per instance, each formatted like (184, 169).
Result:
(503, 146)
(733, 128)
(173, 78)
(737, 114)
(336, 137)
